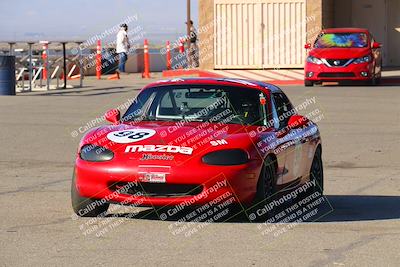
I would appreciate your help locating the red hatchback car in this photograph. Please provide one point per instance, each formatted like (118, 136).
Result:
(343, 54)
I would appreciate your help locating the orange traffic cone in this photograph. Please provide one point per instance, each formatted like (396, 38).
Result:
(44, 58)
(146, 73)
(114, 76)
(75, 77)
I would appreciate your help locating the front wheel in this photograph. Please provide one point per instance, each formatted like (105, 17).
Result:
(86, 207)
(378, 81)
(308, 83)
(317, 172)
(266, 186)
(375, 80)
(266, 190)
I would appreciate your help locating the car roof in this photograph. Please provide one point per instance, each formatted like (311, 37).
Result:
(334, 30)
(216, 81)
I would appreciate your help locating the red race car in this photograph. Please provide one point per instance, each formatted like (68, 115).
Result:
(190, 142)
(343, 54)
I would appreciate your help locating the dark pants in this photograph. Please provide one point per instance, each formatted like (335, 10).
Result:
(123, 57)
(193, 58)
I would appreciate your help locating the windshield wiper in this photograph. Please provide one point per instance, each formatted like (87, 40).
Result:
(180, 119)
(154, 118)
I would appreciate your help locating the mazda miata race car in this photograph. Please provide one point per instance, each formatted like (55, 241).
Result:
(191, 142)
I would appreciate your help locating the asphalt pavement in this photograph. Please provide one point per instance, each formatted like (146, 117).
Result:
(40, 131)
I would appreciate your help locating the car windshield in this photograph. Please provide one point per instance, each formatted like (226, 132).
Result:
(216, 104)
(342, 40)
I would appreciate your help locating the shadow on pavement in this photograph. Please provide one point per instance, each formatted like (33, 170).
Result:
(337, 208)
(348, 208)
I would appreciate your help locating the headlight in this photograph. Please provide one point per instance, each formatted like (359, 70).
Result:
(226, 157)
(362, 59)
(95, 153)
(314, 60)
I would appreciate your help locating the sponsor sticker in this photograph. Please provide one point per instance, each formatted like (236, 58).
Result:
(159, 148)
(130, 136)
(157, 157)
(154, 177)
(218, 142)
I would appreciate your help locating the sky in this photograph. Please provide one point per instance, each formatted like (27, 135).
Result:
(159, 20)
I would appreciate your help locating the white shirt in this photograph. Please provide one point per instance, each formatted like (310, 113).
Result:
(122, 42)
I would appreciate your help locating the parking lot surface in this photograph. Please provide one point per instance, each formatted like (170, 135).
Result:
(40, 132)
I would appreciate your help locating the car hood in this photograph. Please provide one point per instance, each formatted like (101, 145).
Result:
(166, 139)
(339, 53)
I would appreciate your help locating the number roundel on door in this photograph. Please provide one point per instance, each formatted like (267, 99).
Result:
(130, 136)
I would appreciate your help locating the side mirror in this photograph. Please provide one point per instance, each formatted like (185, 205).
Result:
(307, 46)
(376, 45)
(113, 116)
(297, 121)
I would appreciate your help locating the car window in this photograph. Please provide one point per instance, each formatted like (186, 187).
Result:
(139, 106)
(182, 100)
(342, 40)
(215, 104)
(284, 109)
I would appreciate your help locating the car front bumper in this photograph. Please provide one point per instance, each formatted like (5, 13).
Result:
(352, 72)
(100, 180)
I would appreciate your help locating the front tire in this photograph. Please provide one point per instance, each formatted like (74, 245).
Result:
(266, 190)
(86, 207)
(266, 186)
(317, 171)
(308, 83)
(376, 80)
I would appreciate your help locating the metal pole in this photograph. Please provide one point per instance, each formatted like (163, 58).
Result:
(80, 66)
(65, 65)
(23, 78)
(30, 67)
(11, 49)
(188, 53)
(48, 67)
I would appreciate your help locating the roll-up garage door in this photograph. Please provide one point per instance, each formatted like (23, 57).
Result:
(259, 34)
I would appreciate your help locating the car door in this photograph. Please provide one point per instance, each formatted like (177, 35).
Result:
(295, 145)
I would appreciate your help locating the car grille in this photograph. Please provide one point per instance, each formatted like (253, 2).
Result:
(337, 62)
(335, 74)
(157, 189)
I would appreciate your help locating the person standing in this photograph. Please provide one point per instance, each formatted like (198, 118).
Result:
(122, 47)
(193, 58)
